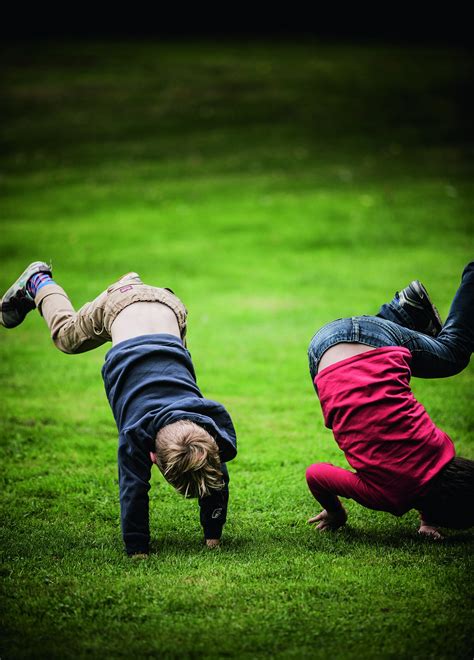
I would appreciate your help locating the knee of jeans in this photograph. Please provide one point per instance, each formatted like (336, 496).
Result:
(448, 368)
(459, 365)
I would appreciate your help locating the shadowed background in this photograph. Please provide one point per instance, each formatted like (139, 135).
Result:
(275, 186)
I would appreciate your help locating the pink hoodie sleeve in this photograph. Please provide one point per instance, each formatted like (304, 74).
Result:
(327, 481)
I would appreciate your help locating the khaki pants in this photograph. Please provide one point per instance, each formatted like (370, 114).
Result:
(77, 332)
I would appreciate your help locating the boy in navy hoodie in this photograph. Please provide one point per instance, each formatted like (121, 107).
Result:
(150, 382)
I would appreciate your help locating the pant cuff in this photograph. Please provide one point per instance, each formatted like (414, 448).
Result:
(48, 290)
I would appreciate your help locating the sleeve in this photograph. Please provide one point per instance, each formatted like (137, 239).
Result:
(213, 509)
(327, 481)
(134, 483)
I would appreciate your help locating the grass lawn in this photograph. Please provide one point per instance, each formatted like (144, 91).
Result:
(274, 187)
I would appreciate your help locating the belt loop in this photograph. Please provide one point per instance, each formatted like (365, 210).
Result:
(355, 330)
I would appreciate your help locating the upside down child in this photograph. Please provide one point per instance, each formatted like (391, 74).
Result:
(361, 369)
(161, 415)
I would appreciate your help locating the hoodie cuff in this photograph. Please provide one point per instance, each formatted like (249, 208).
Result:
(213, 530)
(138, 550)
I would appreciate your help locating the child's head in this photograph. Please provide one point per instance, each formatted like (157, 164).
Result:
(449, 501)
(188, 458)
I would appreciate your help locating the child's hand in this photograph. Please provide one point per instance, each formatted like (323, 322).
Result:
(329, 519)
(213, 543)
(430, 532)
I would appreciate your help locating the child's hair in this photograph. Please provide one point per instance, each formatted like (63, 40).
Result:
(188, 458)
(449, 501)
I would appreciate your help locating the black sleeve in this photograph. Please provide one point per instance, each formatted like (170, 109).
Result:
(134, 483)
(214, 509)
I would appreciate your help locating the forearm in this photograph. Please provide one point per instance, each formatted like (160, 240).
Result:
(134, 485)
(326, 499)
(213, 509)
(136, 538)
(326, 482)
(323, 486)
(135, 525)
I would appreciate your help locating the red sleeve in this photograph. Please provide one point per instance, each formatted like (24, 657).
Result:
(327, 481)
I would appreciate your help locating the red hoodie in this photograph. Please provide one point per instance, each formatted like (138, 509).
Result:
(385, 433)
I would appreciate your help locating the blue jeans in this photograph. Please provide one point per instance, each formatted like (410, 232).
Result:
(433, 357)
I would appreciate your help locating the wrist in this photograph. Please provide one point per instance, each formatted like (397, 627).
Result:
(131, 552)
(209, 536)
(212, 531)
(336, 508)
(338, 517)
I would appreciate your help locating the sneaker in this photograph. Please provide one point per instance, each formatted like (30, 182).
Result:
(416, 302)
(17, 302)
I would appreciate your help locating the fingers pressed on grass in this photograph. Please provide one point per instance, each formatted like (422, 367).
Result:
(329, 519)
(431, 533)
(311, 521)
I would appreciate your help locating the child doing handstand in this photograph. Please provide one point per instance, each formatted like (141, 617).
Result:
(149, 378)
(361, 369)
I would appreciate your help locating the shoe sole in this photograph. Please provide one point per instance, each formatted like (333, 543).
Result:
(423, 293)
(7, 304)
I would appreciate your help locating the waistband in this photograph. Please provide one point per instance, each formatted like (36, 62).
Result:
(369, 330)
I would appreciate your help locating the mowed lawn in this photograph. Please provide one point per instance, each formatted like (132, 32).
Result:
(275, 187)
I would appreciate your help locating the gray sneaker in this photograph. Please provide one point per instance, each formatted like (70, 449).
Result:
(17, 302)
(416, 302)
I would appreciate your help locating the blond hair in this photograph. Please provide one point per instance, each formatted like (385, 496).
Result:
(188, 458)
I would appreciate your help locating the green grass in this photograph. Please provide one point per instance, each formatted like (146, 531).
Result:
(274, 187)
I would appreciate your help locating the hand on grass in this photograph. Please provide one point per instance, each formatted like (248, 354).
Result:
(430, 532)
(213, 543)
(329, 519)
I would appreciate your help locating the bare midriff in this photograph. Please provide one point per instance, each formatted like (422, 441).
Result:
(340, 352)
(144, 318)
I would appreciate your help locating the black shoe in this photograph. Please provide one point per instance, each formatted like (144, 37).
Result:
(17, 302)
(417, 304)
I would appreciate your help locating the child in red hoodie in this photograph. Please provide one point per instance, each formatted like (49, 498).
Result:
(361, 369)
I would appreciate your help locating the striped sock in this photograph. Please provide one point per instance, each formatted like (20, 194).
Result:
(37, 281)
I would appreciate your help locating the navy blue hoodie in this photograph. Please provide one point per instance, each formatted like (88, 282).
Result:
(150, 382)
